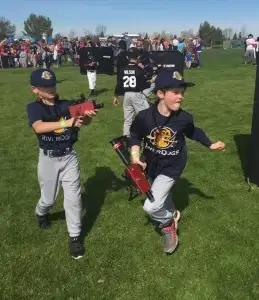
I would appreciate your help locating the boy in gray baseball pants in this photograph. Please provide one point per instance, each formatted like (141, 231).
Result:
(58, 165)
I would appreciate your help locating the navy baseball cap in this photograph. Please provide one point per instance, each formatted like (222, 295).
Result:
(171, 78)
(133, 53)
(43, 78)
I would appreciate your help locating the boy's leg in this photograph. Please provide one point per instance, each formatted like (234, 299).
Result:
(48, 177)
(140, 102)
(128, 111)
(92, 80)
(70, 178)
(89, 79)
(94, 76)
(162, 212)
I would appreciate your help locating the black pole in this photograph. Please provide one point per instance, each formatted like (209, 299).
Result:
(253, 168)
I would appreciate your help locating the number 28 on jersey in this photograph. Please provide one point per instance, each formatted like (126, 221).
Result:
(129, 79)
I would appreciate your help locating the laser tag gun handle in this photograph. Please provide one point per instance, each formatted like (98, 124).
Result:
(136, 174)
(78, 107)
(133, 171)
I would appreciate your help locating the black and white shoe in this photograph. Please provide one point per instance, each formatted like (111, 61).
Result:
(76, 248)
(43, 221)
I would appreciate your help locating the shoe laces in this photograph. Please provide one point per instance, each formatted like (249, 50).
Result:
(171, 229)
(76, 243)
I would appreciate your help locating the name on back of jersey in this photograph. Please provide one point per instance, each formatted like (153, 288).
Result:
(129, 72)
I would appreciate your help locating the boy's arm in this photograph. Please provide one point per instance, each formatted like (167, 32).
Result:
(136, 132)
(197, 134)
(136, 137)
(36, 122)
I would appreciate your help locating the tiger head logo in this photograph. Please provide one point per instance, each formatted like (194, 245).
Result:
(46, 75)
(162, 138)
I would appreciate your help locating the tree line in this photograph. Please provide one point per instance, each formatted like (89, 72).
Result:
(36, 25)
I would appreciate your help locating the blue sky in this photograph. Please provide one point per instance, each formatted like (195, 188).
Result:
(136, 15)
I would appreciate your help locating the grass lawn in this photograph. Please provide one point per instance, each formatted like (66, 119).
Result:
(218, 253)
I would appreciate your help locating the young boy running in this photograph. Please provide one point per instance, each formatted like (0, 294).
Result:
(162, 128)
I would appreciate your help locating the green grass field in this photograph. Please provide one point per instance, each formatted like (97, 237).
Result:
(124, 260)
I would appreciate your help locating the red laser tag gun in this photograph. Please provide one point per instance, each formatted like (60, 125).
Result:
(133, 172)
(78, 107)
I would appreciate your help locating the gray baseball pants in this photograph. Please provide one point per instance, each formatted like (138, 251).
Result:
(54, 172)
(133, 103)
(162, 208)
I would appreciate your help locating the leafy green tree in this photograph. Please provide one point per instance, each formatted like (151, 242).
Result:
(6, 28)
(36, 25)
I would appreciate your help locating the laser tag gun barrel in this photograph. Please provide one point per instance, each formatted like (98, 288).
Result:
(133, 171)
(78, 107)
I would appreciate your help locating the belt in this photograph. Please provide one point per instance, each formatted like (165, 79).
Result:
(58, 152)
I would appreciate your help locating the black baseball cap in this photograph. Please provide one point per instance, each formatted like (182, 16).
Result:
(43, 78)
(171, 78)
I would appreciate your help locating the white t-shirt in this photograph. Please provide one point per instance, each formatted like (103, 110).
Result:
(175, 42)
(250, 44)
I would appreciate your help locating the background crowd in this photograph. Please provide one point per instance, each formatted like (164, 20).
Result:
(25, 53)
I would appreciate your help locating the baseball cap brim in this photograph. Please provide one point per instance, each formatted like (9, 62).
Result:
(185, 84)
(43, 85)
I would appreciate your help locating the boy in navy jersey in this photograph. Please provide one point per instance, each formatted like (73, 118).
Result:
(162, 128)
(58, 165)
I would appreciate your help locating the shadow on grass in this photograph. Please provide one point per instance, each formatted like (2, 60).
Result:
(101, 91)
(61, 80)
(181, 197)
(93, 197)
(182, 191)
(96, 188)
(105, 180)
(243, 144)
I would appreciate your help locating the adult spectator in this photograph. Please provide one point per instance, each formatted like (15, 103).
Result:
(181, 45)
(256, 51)
(197, 49)
(146, 43)
(250, 49)
(175, 42)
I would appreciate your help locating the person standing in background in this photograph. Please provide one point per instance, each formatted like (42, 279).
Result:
(181, 45)
(175, 42)
(250, 52)
(256, 51)
(197, 49)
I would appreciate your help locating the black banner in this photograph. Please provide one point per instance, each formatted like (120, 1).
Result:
(103, 55)
(169, 59)
(253, 167)
(165, 59)
(105, 58)
(106, 62)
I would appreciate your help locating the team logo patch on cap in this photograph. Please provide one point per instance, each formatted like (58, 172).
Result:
(177, 76)
(46, 75)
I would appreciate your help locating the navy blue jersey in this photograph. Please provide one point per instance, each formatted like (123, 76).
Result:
(164, 140)
(131, 79)
(59, 139)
